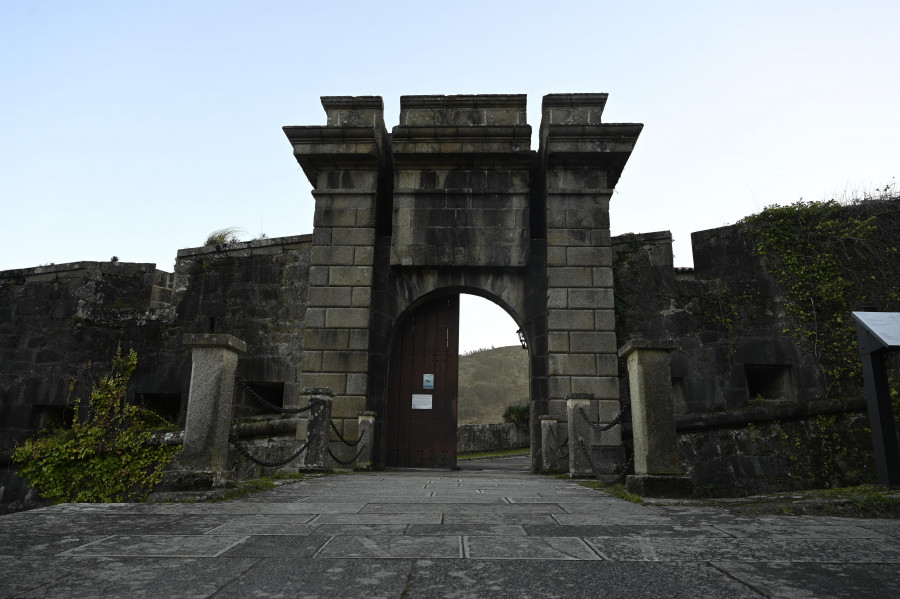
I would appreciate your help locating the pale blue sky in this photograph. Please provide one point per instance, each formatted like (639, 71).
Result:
(136, 128)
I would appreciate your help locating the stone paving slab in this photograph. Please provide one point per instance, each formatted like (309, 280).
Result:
(423, 533)
(781, 580)
(489, 579)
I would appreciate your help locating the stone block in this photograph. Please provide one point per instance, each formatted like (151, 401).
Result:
(572, 364)
(602, 387)
(556, 256)
(607, 364)
(600, 237)
(353, 236)
(355, 276)
(604, 320)
(311, 361)
(603, 276)
(568, 277)
(568, 237)
(315, 318)
(325, 217)
(359, 339)
(591, 298)
(589, 256)
(592, 342)
(556, 408)
(607, 438)
(350, 318)
(348, 406)
(558, 342)
(315, 339)
(334, 380)
(607, 410)
(329, 296)
(362, 297)
(570, 320)
(344, 361)
(318, 276)
(357, 383)
(557, 298)
(334, 254)
(608, 460)
(363, 255)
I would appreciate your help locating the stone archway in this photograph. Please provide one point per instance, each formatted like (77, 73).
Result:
(454, 197)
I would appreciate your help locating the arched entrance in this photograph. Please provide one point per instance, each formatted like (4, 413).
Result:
(422, 387)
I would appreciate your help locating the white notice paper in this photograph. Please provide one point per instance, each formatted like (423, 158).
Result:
(421, 401)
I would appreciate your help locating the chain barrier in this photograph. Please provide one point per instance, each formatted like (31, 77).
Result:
(559, 446)
(605, 427)
(232, 438)
(246, 387)
(345, 441)
(351, 460)
(621, 477)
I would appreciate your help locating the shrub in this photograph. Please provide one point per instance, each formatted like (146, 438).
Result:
(105, 456)
(516, 414)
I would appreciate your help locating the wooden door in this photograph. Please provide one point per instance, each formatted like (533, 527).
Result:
(421, 419)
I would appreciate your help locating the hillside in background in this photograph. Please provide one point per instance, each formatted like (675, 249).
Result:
(490, 380)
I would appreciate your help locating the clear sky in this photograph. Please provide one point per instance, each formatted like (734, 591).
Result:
(136, 128)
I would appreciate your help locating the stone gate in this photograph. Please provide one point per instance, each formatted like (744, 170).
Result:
(453, 200)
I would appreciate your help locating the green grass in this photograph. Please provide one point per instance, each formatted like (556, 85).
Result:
(617, 490)
(503, 453)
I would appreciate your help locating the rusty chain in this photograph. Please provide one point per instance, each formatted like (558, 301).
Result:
(246, 387)
(232, 438)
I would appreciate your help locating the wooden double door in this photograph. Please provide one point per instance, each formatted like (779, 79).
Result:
(422, 387)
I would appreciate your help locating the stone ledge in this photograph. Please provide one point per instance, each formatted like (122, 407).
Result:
(214, 340)
(659, 485)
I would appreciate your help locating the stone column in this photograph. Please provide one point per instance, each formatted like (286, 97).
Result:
(553, 457)
(214, 360)
(580, 433)
(657, 471)
(318, 429)
(342, 161)
(582, 160)
(366, 428)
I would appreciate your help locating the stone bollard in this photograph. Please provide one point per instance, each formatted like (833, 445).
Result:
(318, 428)
(579, 434)
(657, 471)
(366, 428)
(553, 457)
(208, 420)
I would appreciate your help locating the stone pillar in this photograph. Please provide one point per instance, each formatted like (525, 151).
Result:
(580, 433)
(214, 360)
(553, 451)
(341, 160)
(657, 471)
(366, 428)
(318, 429)
(582, 160)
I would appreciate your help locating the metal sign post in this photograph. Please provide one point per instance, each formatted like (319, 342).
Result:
(879, 333)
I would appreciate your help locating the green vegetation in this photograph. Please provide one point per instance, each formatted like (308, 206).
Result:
(500, 453)
(223, 236)
(489, 381)
(617, 490)
(105, 456)
(517, 414)
(831, 259)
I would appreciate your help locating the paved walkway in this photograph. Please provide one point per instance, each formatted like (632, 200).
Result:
(482, 532)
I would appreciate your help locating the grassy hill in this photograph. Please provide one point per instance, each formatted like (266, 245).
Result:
(490, 380)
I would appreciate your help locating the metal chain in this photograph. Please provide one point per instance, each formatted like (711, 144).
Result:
(345, 441)
(602, 481)
(617, 420)
(348, 462)
(244, 452)
(269, 404)
(559, 454)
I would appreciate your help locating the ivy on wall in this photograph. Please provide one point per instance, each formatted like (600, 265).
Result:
(105, 456)
(830, 259)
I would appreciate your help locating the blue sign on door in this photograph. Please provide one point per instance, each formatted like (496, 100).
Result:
(428, 381)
